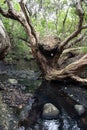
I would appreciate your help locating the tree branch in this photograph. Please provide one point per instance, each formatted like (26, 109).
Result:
(69, 70)
(76, 41)
(84, 26)
(78, 49)
(79, 79)
(23, 8)
(10, 5)
(11, 13)
(76, 32)
(21, 38)
(7, 14)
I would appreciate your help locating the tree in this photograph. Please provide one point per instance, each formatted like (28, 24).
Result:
(4, 41)
(48, 52)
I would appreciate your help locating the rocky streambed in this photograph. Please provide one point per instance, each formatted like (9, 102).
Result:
(28, 103)
(17, 85)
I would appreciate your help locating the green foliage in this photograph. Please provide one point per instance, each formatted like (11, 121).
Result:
(84, 49)
(50, 16)
(16, 5)
(19, 49)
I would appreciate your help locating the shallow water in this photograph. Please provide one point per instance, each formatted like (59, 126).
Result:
(67, 124)
(55, 124)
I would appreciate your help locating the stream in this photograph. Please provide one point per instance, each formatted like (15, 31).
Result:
(21, 104)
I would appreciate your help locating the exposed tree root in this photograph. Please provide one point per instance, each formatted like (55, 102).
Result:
(72, 71)
(79, 79)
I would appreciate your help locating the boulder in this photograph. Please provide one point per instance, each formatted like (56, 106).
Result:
(4, 41)
(80, 109)
(50, 111)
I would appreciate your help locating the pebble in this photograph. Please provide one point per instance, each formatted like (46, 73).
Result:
(80, 109)
(65, 88)
(71, 95)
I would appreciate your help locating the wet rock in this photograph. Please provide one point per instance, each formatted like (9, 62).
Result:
(12, 81)
(21, 128)
(80, 109)
(50, 111)
(2, 87)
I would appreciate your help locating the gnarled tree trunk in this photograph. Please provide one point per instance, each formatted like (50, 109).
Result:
(49, 52)
(4, 41)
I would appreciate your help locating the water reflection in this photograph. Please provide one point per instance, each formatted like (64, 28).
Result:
(68, 123)
(21, 128)
(51, 125)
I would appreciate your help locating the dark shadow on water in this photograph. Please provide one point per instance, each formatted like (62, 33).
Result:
(52, 92)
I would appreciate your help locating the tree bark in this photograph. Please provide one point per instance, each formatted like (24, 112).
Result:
(4, 41)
